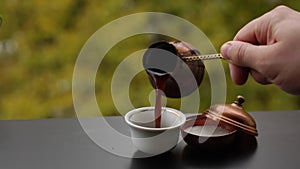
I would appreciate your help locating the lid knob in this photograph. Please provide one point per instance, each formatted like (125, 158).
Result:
(239, 100)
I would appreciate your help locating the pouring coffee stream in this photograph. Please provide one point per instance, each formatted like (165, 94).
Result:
(175, 69)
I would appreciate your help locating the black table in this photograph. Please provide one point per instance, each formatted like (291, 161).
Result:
(62, 143)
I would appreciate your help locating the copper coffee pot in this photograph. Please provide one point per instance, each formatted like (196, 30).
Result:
(173, 60)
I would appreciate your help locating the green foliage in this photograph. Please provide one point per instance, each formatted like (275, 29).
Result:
(40, 41)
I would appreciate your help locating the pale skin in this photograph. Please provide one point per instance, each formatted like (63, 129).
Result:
(269, 49)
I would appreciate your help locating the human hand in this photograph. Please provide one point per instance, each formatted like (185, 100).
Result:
(269, 49)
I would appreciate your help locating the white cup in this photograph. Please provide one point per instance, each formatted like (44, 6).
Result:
(148, 139)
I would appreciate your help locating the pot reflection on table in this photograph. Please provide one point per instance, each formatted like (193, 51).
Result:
(241, 149)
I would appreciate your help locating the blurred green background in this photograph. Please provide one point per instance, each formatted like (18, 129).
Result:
(40, 41)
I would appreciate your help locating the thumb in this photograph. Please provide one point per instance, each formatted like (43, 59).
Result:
(243, 54)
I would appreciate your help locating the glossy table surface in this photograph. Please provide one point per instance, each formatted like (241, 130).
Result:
(63, 143)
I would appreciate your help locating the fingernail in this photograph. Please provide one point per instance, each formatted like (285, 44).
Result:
(224, 50)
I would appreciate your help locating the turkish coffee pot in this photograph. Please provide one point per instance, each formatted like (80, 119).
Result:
(179, 63)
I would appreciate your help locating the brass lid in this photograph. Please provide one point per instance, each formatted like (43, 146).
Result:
(233, 114)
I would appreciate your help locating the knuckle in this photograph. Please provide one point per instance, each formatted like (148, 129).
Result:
(280, 8)
(279, 13)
